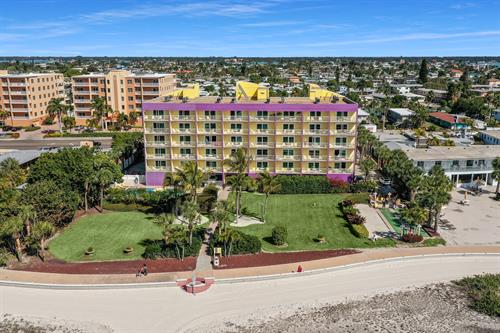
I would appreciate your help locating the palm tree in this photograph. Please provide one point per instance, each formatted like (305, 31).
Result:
(103, 178)
(122, 120)
(42, 231)
(69, 122)
(12, 228)
(132, 117)
(268, 184)
(496, 173)
(190, 217)
(4, 115)
(28, 215)
(414, 215)
(238, 161)
(419, 132)
(101, 110)
(175, 181)
(178, 237)
(237, 182)
(192, 177)
(56, 107)
(92, 122)
(228, 237)
(165, 221)
(222, 215)
(367, 165)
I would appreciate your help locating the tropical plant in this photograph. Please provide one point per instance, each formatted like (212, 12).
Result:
(11, 229)
(56, 107)
(228, 236)
(133, 117)
(11, 172)
(100, 109)
(419, 133)
(69, 122)
(367, 165)
(414, 215)
(237, 182)
(28, 215)
(222, 215)
(268, 184)
(279, 235)
(190, 217)
(165, 221)
(190, 177)
(238, 163)
(42, 231)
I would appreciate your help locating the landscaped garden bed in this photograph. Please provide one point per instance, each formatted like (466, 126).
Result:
(268, 259)
(111, 267)
(394, 219)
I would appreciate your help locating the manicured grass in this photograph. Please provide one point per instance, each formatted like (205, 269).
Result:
(306, 216)
(393, 218)
(108, 234)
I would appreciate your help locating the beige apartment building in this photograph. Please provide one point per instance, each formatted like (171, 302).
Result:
(123, 90)
(26, 96)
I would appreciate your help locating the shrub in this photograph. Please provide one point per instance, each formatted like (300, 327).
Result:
(156, 249)
(484, 292)
(15, 135)
(246, 244)
(53, 135)
(434, 241)
(48, 121)
(32, 128)
(208, 198)
(346, 203)
(350, 210)
(412, 238)
(4, 257)
(339, 186)
(359, 230)
(356, 219)
(279, 235)
(364, 186)
(303, 184)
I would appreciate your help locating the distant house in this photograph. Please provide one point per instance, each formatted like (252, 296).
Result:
(362, 115)
(438, 94)
(456, 73)
(490, 137)
(447, 120)
(399, 115)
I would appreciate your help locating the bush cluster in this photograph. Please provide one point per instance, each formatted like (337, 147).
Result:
(279, 235)
(32, 128)
(243, 244)
(157, 249)
(158, 200)
(320, 185)
(484, 292)
(208, 198)
(354, 219)
(412, 238)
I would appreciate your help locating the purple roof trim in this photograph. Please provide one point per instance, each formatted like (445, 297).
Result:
(250, 107)
(154, 178)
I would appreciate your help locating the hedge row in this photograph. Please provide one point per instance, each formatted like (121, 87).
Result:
(156, 249)
(295, 184)
(244, 244)
(354, 220)
(359, 230)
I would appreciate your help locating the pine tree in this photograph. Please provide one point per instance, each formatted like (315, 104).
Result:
(424, 72)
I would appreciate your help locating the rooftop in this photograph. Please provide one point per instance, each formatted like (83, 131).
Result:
(493, 133)
(402, 111)
(26, 75)
(450, 118)
(442, 153)
(233, 100)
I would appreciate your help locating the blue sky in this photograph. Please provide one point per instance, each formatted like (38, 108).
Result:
(249, 28)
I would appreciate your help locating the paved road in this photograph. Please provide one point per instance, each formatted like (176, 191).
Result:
(168, 309)
(50, 142)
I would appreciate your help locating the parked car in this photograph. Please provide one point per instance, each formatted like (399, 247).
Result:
(385, 181)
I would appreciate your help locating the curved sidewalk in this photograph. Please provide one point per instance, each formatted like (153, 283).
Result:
(240, 274)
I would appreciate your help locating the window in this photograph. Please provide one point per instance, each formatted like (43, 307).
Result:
(313, 165)
(287, 165)
(481, 163)
(314, 140)
(130, 98)
(341, 141)
(340, 165)
(437, 163)
(314, 127)
(160, 152)
(315, 114)
(420, 164)
(262, 140)
(455, 163)
(340, 153)
(288, 127)
(159, 126)
(236, 139)
(342, 115)
(210, 114)
(314, 153)
(288, 152)
(130, 90)
(210, 127)
(129, 81)
(470, 163)
(211, 152)
(341, 128)
(161, 164)
(185, 151)
(158, 113)
(262, 114)
(186, 139)
(235, 114)
(262, 152)
(262, 165)
(184, 114)
(289, 114)
(288, 139)
(262, 127)
(211, 164)
(184, 127)
(236, 127)
(159, 138)
(210, 139)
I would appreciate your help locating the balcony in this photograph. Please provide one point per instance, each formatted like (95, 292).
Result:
(344, 132)
(315, 171)
(264, 157)
(234, 118)
(344, 119)
(160, 144)
(82, 100)
(151, 117)
(156, 156)
(184, 157)
(14, 84)
(150, 93)
(210, 144)
(288, 144)
(341, 158)
(18, 92)
(234, 131)
(291, 119)
(288, 158)
(288, 170)
(314, 145)
(342, 145)
(234, 144)
(317, 118)
(262, 131)
(262, 144)
(83, 84)
(150, 84)
(183, 131)
(183, 118)
(314, 158)
(155, 168)
(315, 132)
(156, 130)
(215, 118)
(210, 157)
(262, 118)
(209, 131)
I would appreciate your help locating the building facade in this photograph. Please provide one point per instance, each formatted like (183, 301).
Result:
(461, 164)
(26, 96)
(491, 137)
(312, 135)
(123, 91)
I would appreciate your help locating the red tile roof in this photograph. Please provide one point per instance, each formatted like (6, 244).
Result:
(450, 118)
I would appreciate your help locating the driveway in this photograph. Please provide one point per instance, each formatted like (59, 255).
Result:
(475, 224)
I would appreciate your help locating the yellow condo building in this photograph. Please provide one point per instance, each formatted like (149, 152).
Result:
(312, 135)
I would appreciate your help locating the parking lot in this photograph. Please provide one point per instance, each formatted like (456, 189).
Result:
(477, 223)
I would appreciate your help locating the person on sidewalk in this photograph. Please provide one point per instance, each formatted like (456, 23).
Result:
(145, 270)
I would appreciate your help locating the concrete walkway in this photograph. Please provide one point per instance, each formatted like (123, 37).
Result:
(367, 255)
(374, 224)
(204, 260)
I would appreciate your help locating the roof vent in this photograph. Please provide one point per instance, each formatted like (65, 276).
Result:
(268, 100)
(316, 100)
(233, 100)
(219, 99)
(282, 99)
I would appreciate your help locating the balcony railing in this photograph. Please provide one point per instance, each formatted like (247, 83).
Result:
(18, 92)
(156, 156)
(160, 144)
(151, 92)
(157, 130)
(344, 119)
(264, 157)
(151, 117)
(14, 84)
(234, 118)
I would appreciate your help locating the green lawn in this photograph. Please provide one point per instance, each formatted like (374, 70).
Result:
(394, 220)
(305, 216)
(108, 234)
